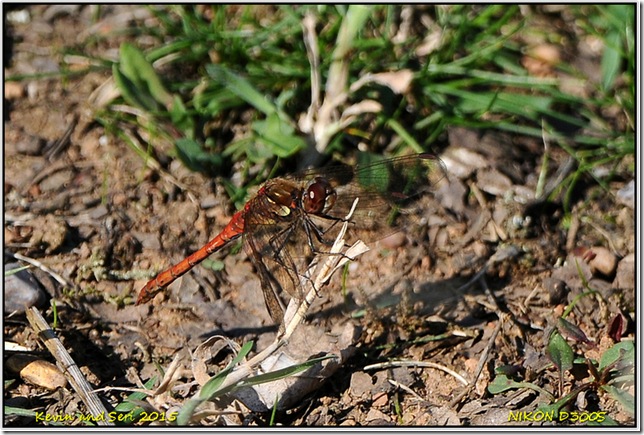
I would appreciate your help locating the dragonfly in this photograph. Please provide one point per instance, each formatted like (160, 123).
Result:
(294, 218)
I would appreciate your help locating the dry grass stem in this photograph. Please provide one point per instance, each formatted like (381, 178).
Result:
(68, 367)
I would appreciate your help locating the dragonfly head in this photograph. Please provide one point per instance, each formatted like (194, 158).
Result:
(319, 196)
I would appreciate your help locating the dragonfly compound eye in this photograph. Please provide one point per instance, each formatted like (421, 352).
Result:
(319, 197)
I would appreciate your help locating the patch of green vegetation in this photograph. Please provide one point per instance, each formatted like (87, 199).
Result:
(613, 374)
(238, 83)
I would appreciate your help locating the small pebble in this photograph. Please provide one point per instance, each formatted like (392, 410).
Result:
(461, 162)
(557, 290)
(30, 145)
(393, 241)
(37, 371)
(626, 195)
(625, 276)
(493, 182)
(13, 90)
(21, 290)
(57, 181)
(547, 53)
(604, 262)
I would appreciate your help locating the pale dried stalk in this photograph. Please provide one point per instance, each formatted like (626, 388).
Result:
(409, 363)
(67, 365)
(45, 269)
(313, 54)
(334, 261)
(172, 374)
(324, 118)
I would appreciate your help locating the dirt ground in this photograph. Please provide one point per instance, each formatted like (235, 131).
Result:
(475, 289)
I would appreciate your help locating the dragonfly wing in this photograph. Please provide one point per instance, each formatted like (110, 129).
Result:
(385, 189)
(270, 287)
(276, 251)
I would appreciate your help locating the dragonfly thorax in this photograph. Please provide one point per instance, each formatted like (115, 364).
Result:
(281, 195)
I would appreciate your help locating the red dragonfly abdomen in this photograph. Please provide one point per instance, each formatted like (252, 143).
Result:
(234, 229)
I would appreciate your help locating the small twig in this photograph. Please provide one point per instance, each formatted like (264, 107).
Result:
(604, 233)
(68, 367)
(499, 256)
(406, 388)
(543, 173)
(45, 269)
(126, 389)
(171, 375)
(474, 231)
(559, 177)
(41, 173)
(523, 306)
(573, 229)
(52, 151)
(480, 198)
(482, 360)
(409, 363)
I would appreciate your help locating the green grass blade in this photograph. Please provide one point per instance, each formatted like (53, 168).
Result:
(240, 87)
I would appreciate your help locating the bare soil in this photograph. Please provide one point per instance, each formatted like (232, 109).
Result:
(477, 286)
